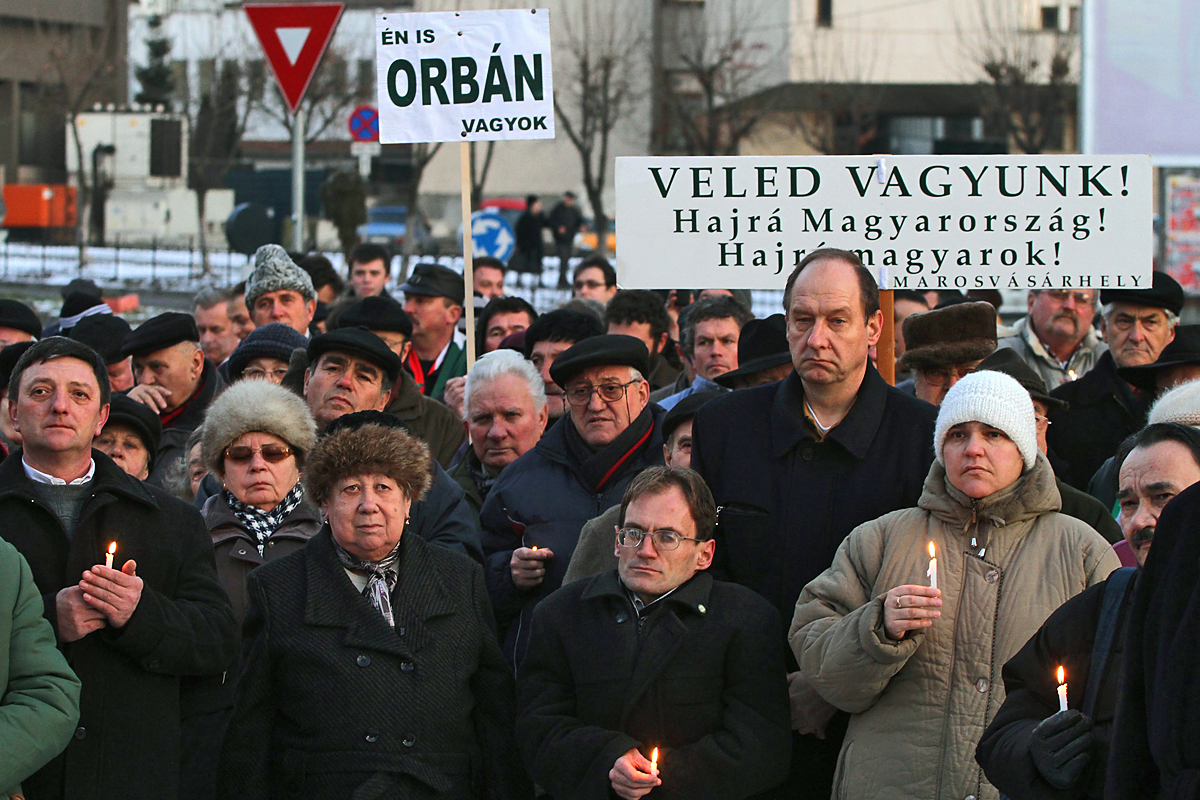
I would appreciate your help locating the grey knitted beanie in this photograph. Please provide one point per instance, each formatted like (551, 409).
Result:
(274, 271)
(1181, 404)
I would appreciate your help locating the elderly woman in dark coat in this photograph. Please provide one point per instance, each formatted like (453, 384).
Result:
(370, 668)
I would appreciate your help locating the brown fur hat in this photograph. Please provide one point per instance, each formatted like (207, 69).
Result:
(368, 449)
(949, 335)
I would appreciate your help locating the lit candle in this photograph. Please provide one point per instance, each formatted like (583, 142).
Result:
(1062, 689)
(932, 571)
(654, 762)
(112, 549)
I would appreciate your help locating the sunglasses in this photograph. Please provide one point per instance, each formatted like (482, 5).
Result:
(273, 453)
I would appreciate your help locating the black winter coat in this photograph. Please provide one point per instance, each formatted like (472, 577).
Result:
(1104, 410)
(174, 439)
(1155, 750)
(1065, 639)
(1085, 508)
(127, 743)
(700, 676)
(543, 499)
(334, 704)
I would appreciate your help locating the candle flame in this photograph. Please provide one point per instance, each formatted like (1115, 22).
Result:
(1062, 676)
(654, 758)
(112, 548)
(932, 550)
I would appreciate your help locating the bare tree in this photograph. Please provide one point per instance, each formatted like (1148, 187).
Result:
(711, 66)
(1026, 74)
(330, 98)
(479, 171)
(836, 110)
(598, 83)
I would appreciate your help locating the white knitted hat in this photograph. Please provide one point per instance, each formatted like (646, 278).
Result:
(1181, 404)
(994, 399)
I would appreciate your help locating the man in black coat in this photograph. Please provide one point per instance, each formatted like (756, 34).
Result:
(132, 631)
(796, 465)
(1138, 324)
(564, 222)
(655, 658)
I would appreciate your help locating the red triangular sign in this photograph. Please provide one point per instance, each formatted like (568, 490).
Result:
(293, 37)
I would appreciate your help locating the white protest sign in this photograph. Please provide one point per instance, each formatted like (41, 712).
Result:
(918, 222)
(464, 76)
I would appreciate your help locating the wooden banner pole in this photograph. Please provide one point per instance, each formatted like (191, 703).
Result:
(885, 350)
(468, 256)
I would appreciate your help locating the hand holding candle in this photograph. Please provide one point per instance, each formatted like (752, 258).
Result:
(108, 557)
(932, 571)
(1062, 689)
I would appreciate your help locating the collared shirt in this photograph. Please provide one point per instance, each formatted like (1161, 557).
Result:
(38, 476)
(1054, 372)
(700, 384)
(640, 607)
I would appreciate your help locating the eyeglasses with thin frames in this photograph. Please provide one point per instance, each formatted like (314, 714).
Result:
(581, 395)
(665, 539)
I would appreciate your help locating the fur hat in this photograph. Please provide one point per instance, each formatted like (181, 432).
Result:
(369, 448)
(250, 406)
(275, 271)
(1181, 404)
(994, 399)
(949, 335)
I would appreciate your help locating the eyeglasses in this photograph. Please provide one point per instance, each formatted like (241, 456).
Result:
(1061, 295)
(665, 539)
(273, 453)
(609, 392)
(1041, 422)
(256, 374)
(580, 285)
(940, 376)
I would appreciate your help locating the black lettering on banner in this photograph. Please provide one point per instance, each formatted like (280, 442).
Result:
(466, 90)
(410, 75)
(433, 75)
(526, 77)
(496, 81)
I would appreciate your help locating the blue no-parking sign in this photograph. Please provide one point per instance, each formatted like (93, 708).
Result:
(364, 124)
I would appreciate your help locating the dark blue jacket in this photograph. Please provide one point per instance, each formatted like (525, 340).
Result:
(543, 500)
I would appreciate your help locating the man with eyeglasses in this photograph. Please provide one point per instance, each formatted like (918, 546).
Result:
(1056, 337)
(945, 344)
(1105, 408)
(655, 658)
(595, 279)
(581, 466)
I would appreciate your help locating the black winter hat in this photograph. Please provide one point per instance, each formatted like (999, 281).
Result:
(274, 340)
(377, 313)
(762, 344)
(140, 418)
(76, 303)
(104, 333)
(15, 314)
(1164, 292)
(352, 422)
(684, 410)
(611, 349)
(356, 342)
(949, 335)
(1009, 362)
(159, 332)
(9, 356)
(434, 280)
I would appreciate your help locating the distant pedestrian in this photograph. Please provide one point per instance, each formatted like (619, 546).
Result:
(565, 221)
(530, 249)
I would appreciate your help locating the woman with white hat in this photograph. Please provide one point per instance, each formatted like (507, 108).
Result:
(918, 666)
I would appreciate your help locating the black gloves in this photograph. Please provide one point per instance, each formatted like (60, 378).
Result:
(1061, 748)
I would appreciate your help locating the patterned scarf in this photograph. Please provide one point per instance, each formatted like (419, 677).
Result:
(264, 523)
(383, 577)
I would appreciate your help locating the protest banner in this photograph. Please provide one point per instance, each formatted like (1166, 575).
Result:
(464, 76)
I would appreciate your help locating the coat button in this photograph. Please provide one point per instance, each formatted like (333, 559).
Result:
(992, 575)
(407, 666)
(363, 660)
(270, 544)
(700, 607)
(982, 685)
(372, 736)
(81, 732)
(969, 797)
(622, 617)
(409, 741)
(807, 454)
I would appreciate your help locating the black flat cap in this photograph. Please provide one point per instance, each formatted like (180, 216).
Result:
(377, 313)
(761, 345)
(104, 333)
(9, 357)
(138, 417)
(1182, 350)
(17, 315)
(684, 410)
(82, 285)
(611, 349)
(356, 342)
(1009, 362)
(1164, 292)
(434, 280)
(158, 332)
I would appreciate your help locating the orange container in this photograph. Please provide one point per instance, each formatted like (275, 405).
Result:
(40, 205)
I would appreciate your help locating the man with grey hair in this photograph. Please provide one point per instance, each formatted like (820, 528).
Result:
(709, 330)
(1137, 325)
(533, 514)
(210, 308)
(1056, 337)
(505, 403)
(279, 291)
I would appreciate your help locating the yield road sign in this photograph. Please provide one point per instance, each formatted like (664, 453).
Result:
(293, 37)
(364, 124)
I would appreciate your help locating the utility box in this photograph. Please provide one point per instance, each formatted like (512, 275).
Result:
(131, 148)
(39, 205)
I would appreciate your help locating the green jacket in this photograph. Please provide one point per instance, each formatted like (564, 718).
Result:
(428, 420)
(40, 704)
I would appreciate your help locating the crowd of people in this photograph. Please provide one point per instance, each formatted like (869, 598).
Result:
(292, 544)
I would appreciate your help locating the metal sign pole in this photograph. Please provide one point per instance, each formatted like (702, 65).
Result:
(298, 124)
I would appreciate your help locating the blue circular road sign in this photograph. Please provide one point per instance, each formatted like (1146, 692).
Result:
(364, 124)
(491, 235)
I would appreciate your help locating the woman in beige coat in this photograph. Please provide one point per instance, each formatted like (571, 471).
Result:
(918, 667)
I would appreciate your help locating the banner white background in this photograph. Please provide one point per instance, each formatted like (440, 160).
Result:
(919, 222)
(464, 76)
